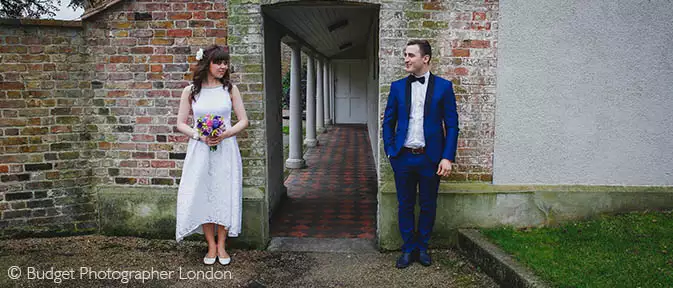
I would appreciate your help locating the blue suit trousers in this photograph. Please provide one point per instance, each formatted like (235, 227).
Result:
(415, 174)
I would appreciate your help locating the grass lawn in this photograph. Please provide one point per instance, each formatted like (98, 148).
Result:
(629, 250)
(286, 130)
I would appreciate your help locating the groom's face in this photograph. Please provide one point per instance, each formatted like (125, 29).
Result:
(413, 60)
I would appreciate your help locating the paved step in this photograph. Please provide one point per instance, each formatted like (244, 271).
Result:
(307, 244)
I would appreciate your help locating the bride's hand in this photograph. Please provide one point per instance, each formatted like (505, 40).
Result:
(213, 141)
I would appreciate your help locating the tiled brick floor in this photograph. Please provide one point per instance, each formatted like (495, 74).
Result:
(335, 196)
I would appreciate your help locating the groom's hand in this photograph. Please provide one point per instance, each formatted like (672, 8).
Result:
(444, 168)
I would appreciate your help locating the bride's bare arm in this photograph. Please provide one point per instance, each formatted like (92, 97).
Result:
(183, 112)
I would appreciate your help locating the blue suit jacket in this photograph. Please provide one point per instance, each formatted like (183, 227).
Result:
(440, 108)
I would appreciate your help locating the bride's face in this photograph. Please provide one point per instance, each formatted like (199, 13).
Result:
(217, 69)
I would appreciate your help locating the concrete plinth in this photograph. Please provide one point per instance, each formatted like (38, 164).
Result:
(295, 163)
(311, 142)
(468, 205)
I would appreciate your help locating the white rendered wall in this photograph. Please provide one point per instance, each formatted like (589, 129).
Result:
(584, 93)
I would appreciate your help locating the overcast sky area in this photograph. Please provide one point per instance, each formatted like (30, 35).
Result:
(66, 13)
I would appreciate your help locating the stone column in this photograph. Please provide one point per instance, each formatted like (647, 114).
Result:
(310, 140)
(332, 90)
(319, 115)
(295, 159)
(325, 92)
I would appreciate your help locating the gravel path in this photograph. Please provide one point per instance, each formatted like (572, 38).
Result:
(116, 260)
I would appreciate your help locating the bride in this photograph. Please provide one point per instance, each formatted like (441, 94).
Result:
(210, 194)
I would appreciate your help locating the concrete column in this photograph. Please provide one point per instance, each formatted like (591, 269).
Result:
(325, 86)
(319, 115)
(295, 159)
(310, 140)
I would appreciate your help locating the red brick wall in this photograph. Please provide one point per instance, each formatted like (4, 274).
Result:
(94, 104)
(473, 71)
(463, 35)
(143, 51)
(45, 131)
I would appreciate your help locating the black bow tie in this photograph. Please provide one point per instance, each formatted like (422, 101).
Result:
(419, 79)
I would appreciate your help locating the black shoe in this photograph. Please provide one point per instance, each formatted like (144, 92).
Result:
(424, 258)
(404, 261)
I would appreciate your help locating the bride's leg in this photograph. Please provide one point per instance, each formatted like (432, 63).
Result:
(221, 240)
(209, 232)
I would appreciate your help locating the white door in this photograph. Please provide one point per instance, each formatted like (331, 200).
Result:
(350, 92)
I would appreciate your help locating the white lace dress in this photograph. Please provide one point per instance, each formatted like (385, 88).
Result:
(211, 184)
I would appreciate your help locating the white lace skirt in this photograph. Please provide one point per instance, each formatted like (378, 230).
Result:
(210, 189)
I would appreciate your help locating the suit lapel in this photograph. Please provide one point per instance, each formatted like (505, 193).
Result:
(407, 99)
(428, 94)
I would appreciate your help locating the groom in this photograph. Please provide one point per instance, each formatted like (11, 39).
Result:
(420, 135)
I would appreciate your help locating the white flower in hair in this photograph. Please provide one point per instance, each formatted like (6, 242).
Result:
(199, 54)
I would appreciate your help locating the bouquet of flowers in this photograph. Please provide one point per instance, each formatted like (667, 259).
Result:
(210, 126)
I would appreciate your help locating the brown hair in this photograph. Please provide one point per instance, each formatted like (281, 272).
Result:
(213, 54)
(424, 46)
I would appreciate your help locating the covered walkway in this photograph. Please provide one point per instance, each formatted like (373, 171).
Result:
(335, 196)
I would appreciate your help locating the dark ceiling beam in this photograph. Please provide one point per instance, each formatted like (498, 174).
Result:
(337, 25)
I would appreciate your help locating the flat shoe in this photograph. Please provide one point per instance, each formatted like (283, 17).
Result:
(209, 261)
(224, 261)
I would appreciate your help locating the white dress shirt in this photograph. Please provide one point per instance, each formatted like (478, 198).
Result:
(415, 136)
